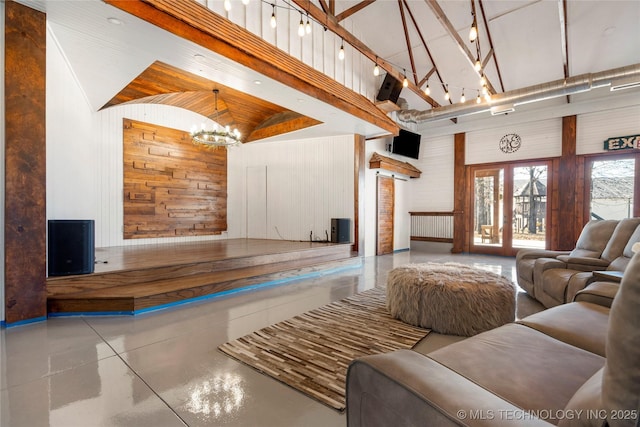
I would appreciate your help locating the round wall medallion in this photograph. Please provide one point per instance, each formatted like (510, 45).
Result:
(510, 143)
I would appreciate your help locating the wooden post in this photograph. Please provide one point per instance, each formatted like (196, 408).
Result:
(568, 228)
(459, 197)
(25, 230)
(359, 168)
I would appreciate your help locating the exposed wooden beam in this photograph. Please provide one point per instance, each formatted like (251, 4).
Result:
(198, 24)
(332, 24)
(426, 76)
(487, 58)
(353, 9)
(324, 6)
(408, 41)
(562, 11)
(332, 7)
(490, 40)
(448, 26)
(424, 44)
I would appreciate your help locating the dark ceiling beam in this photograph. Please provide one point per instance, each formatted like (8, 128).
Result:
(332, 7)
(487, 58)
(324, 6)
(424, 44)
(353, 9)
(331, 23)
(448, 26)
(490, 40)
(562, 11)
(408, 41)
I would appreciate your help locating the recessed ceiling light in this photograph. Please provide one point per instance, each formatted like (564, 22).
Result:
(114, 21)
(609, 30)
(257, 82)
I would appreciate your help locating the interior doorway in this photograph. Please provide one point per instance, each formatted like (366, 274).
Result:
(385, 214)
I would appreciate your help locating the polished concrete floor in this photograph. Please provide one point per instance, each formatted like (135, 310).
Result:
(164, 369)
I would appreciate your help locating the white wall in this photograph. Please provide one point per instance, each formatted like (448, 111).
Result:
(594, 128)
(308, 182)
(433, 191)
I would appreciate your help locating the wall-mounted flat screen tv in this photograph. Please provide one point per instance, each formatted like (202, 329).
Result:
(407, 144)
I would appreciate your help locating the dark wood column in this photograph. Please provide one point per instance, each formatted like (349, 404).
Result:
(459, 196)
(358, 189)
(566, 224)
(25, 163)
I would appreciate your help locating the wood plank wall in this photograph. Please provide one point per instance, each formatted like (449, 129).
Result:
(172, 187)
(25, 230)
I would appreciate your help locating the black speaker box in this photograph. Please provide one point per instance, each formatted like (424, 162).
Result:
(71, 246)
(340, 230)
(390, 89)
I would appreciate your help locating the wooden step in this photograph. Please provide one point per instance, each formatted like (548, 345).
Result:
(137, 297)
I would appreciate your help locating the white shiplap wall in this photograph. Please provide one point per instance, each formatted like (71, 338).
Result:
(308, 182)
(540, 139)
(318, 49)
(433, 191)
(594, 128)
(2, 145)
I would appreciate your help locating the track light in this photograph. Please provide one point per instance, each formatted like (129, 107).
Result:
(427, 90)
(273, 16)
(483, 80)
(462, 98)
(227, 5)
(301, 27)
(308, 26)
(376, 70)
(446, 93)
(478, 100)
(405, 82)
(478, 65)
(341, 51)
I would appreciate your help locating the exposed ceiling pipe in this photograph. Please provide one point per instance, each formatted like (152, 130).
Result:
(541, 92)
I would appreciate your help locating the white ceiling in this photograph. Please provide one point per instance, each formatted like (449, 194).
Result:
(527, 39)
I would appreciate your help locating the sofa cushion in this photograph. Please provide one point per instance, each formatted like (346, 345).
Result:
(594, 238)
(581, 324)
(601, 293)
(521, 365)
(621, 379)
(620, 237)
(620, 263)
(585, 407)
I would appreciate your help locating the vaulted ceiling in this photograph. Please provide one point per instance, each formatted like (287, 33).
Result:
(521, 43)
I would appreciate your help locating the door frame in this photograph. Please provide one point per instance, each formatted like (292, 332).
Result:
(506, 249)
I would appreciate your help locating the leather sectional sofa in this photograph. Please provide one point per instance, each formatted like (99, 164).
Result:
(546, 369)
(555, 277)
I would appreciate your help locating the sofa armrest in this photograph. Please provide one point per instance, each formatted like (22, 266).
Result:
(538, 253)
(601, 293)
(404, 388)
(584, 263)
(543, 264)
(578, 282)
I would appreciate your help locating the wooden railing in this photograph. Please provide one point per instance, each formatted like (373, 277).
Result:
(432, 226)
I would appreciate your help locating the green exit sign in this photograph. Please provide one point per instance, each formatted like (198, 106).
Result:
(622, 143)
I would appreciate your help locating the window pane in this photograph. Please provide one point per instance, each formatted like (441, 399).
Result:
(612, 184)
(488, 187)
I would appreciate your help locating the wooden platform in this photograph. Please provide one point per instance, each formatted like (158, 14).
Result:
(134, 279)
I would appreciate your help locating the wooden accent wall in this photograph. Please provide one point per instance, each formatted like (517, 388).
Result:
(359, 168)
(25, 230)
(172, 187)
(460, 235)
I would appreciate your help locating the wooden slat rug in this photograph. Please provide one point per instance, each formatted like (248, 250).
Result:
(311, 352)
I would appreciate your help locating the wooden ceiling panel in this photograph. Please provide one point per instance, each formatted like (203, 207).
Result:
(255, 118)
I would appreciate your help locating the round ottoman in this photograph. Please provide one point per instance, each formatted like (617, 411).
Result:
(450, 298)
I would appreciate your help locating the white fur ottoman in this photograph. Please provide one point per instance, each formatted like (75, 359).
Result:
(450, 298)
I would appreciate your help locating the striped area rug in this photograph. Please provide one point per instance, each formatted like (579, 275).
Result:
(311, 352)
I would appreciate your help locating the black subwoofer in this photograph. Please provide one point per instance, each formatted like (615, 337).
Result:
(390, 89)
(71, 246)
(340, 230)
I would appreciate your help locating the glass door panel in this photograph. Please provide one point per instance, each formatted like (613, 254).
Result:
(529, 206)
(612, 189)
(488, 185)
